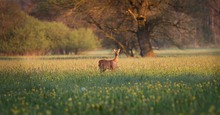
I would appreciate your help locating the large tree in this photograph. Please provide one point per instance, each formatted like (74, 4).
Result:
(140, 17)
(129, 23)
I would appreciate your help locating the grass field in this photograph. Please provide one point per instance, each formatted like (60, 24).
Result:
(181, 83)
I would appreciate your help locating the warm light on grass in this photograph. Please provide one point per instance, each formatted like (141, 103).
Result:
(163, 85)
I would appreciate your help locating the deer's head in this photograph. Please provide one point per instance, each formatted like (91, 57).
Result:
(116, 52)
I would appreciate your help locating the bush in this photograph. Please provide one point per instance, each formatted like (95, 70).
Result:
(81, 39)
(29, 36)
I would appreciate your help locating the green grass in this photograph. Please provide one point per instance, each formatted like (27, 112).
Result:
(162, 85)
(188, 52)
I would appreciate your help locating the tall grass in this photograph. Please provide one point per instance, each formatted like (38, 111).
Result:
(163, 85)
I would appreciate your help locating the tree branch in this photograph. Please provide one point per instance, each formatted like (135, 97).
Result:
(108, 35)
(132, 14)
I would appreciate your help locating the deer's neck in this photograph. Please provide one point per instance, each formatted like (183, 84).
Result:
(115, 59)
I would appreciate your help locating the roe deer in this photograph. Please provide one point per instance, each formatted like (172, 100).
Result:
(109, 64)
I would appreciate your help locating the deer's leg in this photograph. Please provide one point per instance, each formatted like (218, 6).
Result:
(102, 68)
(112, 67)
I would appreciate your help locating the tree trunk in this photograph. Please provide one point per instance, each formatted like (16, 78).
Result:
(129, 52)
(143, 32)
(144, 39)
(76, 51)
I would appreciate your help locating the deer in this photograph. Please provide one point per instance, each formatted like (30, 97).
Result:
(109, 64)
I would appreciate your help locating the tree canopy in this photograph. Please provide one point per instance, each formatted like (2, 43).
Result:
(24, 35)
(136, 24)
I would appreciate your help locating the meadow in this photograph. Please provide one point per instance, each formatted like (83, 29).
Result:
(178, 84)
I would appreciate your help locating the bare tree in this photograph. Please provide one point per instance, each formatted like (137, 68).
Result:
(214, 18)
(130, 23)
(143, 18)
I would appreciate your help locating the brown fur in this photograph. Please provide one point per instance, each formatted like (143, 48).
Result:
(109, 64)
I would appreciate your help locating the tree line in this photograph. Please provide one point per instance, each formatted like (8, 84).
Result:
(136, 25)
(22, 34)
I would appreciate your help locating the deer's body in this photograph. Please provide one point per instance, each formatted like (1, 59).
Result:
(109, 64)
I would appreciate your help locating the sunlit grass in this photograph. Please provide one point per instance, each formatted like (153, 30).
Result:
(162, 85)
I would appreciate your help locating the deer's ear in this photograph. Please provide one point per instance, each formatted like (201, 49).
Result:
(114, 50)
(119, 50)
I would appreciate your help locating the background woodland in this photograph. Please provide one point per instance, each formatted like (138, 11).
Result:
(40, 27)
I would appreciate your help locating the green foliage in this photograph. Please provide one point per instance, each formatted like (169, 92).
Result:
(57, 34)
(82, 39)
(11, 18)
(176, 85)
(27, 39)
(29, 36)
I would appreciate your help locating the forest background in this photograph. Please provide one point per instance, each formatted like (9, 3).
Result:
(42, 27)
